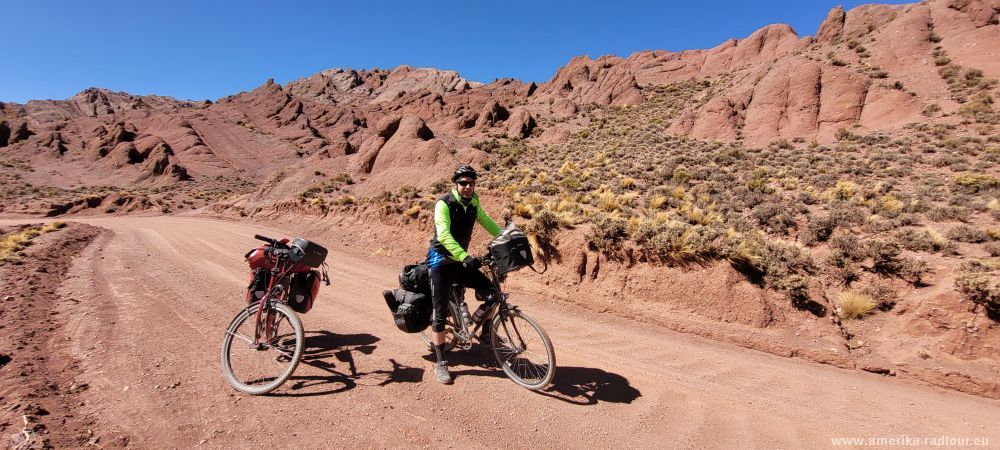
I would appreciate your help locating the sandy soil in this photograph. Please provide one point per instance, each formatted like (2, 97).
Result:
(152, 297)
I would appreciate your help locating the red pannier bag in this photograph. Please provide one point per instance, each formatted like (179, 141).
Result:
(304, 289)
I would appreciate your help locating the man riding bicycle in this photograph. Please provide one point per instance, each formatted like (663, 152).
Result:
(455, 215)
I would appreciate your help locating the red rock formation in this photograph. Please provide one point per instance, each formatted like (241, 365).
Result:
(769, 85)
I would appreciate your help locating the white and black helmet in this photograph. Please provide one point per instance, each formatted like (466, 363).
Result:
(464, 171)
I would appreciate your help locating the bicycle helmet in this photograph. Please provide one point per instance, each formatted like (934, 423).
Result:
(464, 171)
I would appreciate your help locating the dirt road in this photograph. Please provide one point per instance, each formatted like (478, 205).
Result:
(153, 298)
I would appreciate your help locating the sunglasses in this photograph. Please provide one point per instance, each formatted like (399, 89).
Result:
(465, 183)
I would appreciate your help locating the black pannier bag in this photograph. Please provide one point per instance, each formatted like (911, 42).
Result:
(411, 311)
(303, 292)
(306, 253)
(416, 278)
(511, 250)
(260, 278)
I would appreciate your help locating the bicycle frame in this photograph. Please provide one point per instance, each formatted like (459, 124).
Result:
(461, 328)
(275, 292)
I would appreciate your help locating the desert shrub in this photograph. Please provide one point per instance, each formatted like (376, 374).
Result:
(543, 223)
(854, 305)
(608, 201)
(672, 241)
(993, 248)
(886, 256)
(967, 233)
(780, 265)
(14, 242)
(607, 233)
(658, 201)
(487, 145)
(309, 193)
(343, 178)
(882, 293)
(818, 230)
(979, 281)
(876, 224)
(913, 270)
(522, 210)
(413, 211)
(944, 213)
(909, 219)
(971, 182)
(773, 217)
(846, 214)
(844, 259)
(345, 200)
(922, 240)
(843, 190)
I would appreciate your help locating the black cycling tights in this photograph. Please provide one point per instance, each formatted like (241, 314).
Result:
(443, 277)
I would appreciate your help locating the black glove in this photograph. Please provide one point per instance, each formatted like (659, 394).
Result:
(471, 262)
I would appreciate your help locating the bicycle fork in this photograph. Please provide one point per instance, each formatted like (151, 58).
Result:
(519, 346)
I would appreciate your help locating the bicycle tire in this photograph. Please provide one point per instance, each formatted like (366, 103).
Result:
(256, 384)
(507, 338)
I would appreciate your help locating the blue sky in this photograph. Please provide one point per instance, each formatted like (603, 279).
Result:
(205, 50)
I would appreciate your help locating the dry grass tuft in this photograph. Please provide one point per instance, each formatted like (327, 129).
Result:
(854, 305)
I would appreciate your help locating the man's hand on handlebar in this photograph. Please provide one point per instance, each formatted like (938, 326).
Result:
(472, 262)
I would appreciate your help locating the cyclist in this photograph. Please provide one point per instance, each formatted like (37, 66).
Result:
(455, 215)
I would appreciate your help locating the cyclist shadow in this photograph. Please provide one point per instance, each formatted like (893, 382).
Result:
(588, 386)
(326, 351)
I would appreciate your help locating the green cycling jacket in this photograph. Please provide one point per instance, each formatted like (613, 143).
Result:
(454, 220)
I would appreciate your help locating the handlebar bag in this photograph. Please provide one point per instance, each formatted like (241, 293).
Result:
(511, 250)
(304, 289)
(306, 253)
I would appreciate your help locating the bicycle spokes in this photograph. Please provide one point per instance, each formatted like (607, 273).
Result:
(258, 368)
(523, 350)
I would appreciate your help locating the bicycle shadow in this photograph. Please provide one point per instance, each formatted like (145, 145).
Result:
(588, 386)
(576, 385)
(334, 354)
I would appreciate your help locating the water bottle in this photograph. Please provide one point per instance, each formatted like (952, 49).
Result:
(465, 313)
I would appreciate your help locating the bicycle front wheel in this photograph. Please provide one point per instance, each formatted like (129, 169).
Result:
(260, 368)
(523, 350)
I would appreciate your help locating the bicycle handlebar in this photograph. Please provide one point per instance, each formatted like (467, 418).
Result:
(265, 239)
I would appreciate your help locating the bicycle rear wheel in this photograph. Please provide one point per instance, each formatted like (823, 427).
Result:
(450, 339)
(523, 350)
(259, 369)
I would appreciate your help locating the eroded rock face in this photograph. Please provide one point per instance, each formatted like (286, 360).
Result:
(832, 28)
(520, 124)
(982, 13)
(769, 85)
(604, 81)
